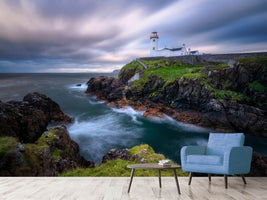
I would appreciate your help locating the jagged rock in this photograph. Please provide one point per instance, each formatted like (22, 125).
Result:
(193, 96)
(105, 88)
(154, 113)
(50, 108)
(143, 151)
(53, 153)
(201, 105)
(114, 154)
(143, 160)
(29, 118)
(20, 147)
(126, 75)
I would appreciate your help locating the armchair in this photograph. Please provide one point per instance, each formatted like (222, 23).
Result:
(224, 154)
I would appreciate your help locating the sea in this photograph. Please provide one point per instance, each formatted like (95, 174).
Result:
(98, 128)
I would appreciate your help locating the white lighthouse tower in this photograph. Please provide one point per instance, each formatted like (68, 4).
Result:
(153, 43)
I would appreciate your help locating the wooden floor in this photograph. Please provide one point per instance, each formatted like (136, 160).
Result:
(143, 188)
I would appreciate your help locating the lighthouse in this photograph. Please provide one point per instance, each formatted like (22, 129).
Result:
(153, 43)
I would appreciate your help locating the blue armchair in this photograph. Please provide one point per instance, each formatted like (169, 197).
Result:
(224, 154)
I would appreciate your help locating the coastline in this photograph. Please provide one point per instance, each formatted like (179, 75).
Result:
(217, 96)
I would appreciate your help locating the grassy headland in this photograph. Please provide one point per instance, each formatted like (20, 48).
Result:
(169, 72)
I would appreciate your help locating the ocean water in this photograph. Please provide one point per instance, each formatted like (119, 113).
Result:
(98, 128)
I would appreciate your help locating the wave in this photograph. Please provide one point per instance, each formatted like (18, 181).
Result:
(180, 125)
(188, 127)
(82, 87)
(130, 112)
(94, 102)
(96, 136)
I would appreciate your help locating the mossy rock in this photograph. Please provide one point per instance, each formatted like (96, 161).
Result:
(137, 149)
(255, 85)
(8, 144)
(249, 62)
(219, 66)
(129, 70)
(35, 152)
(118, 168)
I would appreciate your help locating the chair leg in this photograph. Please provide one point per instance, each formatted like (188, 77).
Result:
(190, 177)
(243, 177)
(225, 181)
(209, 177)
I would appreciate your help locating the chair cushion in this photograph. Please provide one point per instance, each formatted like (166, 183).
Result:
(221, 142)
(204, 159)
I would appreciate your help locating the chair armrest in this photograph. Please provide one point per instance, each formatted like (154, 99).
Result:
(189, 150)
(237, 160)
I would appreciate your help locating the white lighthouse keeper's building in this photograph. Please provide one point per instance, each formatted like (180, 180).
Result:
(180, 51)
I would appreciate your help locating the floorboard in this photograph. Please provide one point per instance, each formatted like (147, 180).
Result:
(111, 188)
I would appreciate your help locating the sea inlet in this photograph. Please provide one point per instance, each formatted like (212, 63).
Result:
(98, 128)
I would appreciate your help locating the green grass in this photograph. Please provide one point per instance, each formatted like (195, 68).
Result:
(220, 66)
(194, 76)
(137, 149)
(154, 64)
(118, 168)
(42, 143)
(248, 62)
(7, 144)
(235, 96)
(56, 154)
(170, 74)
(171, 71)
(257, 86)
(227, 85)
(35, 151)
(48, 137)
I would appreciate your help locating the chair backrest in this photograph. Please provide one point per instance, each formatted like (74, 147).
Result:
(219, 142)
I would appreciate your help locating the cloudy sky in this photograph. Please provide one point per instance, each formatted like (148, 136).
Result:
(92, 35)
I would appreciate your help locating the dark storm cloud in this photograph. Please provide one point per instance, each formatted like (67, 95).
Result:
(231, 18)
(46, 35)
(106, 7)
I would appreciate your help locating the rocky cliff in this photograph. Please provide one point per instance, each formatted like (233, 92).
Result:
(222, 97)
(28, 119)
(27, 148)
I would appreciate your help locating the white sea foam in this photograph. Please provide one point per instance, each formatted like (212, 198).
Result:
(130, 112)
(108, 124)
(94, 102)
(96, 136)
(74, 86)
(180, 125)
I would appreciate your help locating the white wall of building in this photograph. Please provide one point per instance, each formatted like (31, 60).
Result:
(168, 53)
(153, 46)
(154, 51)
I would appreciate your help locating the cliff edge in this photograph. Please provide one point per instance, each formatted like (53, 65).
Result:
(226, 98)
(27, 148)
